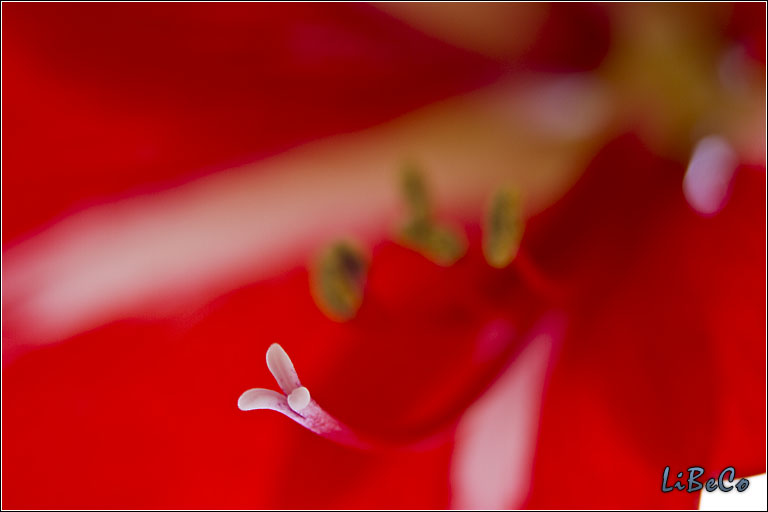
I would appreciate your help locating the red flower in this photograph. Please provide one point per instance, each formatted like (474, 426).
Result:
(632, 324)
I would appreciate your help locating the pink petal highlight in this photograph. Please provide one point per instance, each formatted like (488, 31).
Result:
(707, 181)
(496, 437)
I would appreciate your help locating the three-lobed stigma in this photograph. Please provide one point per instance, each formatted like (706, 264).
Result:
(295, 401)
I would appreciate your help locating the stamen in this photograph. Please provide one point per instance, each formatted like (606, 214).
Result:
(503, 228)
(415, 194)
(443, 244)
(338, 279)
(298, 404)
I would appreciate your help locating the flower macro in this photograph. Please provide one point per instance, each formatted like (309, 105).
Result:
(516, 262)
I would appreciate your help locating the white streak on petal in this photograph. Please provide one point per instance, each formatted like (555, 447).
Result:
(496, 437)
(563, 106)
(169, 251)
(707, 182)
(282, 369)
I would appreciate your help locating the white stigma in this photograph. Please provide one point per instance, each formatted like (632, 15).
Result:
(282, 369)
(258, 398)
(299, 398)
(295, 401)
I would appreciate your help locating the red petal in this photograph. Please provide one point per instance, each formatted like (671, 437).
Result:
(664, 361)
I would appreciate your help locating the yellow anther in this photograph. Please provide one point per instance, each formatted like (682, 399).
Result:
(441, 243)
(338, 278)
(503, 228)
(415, 194)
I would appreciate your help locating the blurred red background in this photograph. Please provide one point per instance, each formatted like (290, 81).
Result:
(662, 362)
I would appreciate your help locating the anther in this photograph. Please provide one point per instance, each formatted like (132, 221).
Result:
(338, 280)
(441, 243)
(415, 194)
(503, 228)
